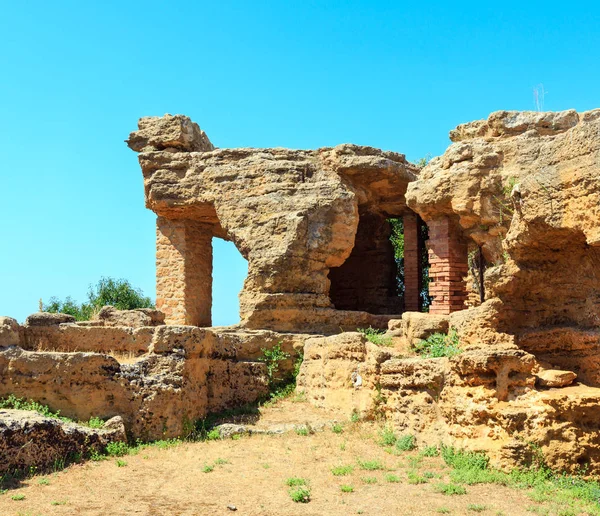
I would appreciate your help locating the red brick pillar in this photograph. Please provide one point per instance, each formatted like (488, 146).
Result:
(184, 271)
(412, 264)
(448, 267)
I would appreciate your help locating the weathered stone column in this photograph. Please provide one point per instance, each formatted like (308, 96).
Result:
(448, 267)
(184, 271)
(412, 264)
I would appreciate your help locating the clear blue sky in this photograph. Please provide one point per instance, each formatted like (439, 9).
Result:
(76, 76)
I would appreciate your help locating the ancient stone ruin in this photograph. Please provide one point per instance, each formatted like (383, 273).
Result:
(512, 215)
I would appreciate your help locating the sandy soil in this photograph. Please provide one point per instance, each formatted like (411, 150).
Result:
(250, 474)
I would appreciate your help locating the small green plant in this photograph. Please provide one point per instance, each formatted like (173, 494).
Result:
(121, 463)
(302, 430)
(117, 449)
(370, 465)
(406, 443)
(220, 462)
(387, 437)
(392, 479)
(208, 468)
(18, 497)
(443, 510)
(439, 345)
(12, 402)
(369, 480)
(340, 471)
(58, 502)
(377, 337)
(95, 422)
(296, 481)
(337, 428)
(475, 507)
(355, 417)
(450, 489)
(300, 494)
(430, 451)
(414, 478)
(272, 359)
(43, 481)
(346, 489)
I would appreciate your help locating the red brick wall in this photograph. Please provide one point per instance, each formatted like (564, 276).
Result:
(448, 267)
(412, 264)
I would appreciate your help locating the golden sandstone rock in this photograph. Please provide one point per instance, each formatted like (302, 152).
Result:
(513, 214)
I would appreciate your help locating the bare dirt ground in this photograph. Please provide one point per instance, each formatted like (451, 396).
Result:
(250, 473)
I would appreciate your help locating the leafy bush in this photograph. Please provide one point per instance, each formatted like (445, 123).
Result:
(108, 291)
(387, 437)
(12, 402)
(439, 345)
(377, 337)
(296, 481)
(300, 494)
(346, 489)
(430, 451)
(117, 449)
(406, 443)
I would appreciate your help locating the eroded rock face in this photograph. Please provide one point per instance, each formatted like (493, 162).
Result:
(110, 316)
(9, 332)
(525, 187)
(293, 214)
(28, 439)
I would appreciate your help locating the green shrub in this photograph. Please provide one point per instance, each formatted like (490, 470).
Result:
(387, 437)
(300, 494)
(95, 422)
(108, 291)
(12, 402)
(377, 337)
(439, 345)
(117, 449)
(346, 489)
(406, 443)
(392, 478)
(414, 478)
(337, 428)
(430, 451)
(369, 480)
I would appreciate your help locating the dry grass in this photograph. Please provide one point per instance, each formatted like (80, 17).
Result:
(251, 474)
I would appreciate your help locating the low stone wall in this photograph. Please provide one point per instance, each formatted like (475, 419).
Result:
(488, 398)
(182, 374)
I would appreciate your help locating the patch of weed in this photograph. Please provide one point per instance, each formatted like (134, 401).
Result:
(450, 489)
(387, 437)
(296, 481)
(475, 507)
(406, 443)
(414, 478)
(377, 337)
(340, 471)
(394, 479)
(439, 345)
(430, 451)
(121, 463)
(117, 449)
(18, 497)
(369, 480)
(346, 489)
(337, 428)
(370, 465)
(208, 468)
(300, 494)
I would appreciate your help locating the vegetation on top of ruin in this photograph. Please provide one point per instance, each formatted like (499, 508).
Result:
(377, 337)
(108, 291)
(439, 345)
(15, 403)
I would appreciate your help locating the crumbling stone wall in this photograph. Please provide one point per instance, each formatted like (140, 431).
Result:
(293, 214)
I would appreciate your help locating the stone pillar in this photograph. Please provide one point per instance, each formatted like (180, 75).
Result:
(184, 271)
(412, 264)
(448, 267)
